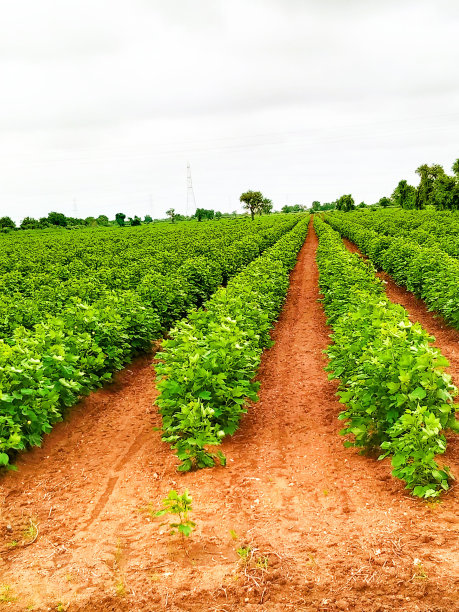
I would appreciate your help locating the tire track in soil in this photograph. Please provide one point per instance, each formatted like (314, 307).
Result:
(139, 441)
(339, 532)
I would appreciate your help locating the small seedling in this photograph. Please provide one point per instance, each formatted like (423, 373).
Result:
(312, 562)
(30, 534)
(179, 505)
(5, 594)
(262, 563)
(118, 554)
(420, 572)
(249, 556)
(244, 553)
(253, 568)
(120, 585)
(120, 589)
(233, 534)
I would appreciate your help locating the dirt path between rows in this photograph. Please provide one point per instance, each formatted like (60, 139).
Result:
(327, 529)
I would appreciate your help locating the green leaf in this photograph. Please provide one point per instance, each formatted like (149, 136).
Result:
(221, 458)
(185, 529)
(393, 387)
(418, 394)
(185, 466)
(398, 460)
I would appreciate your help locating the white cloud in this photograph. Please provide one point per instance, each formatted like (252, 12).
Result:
(106, 101)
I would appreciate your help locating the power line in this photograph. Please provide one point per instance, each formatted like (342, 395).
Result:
(190, 199)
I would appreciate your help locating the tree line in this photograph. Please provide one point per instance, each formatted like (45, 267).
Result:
(253, 202)
(56, 219)
(436, 188)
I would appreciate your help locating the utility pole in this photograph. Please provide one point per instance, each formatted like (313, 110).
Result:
(190, 199)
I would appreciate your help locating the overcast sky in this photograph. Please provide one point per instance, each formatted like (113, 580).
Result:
(103, 102)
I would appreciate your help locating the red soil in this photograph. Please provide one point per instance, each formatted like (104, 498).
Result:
(330, 529)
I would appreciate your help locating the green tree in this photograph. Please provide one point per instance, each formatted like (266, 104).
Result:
(362, 205)
(148, 219)
(404, 195)
(218, 214)
(102, 220)
(75, 221)
(7, 222)
(315, 205)
(135, 221)
(29, 223)
(120, 218)
(204, 213)
(266, 206)
(171, 213)
(252, 201)
(384, 202)
(200, 214)
(428, 175)
(455, 167)
(55, 218)
(345, 203)
(445, 193)
(293, 209)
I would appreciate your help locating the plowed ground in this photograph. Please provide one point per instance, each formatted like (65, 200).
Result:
(327, 529)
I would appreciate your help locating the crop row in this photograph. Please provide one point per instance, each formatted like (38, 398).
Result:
(398, 397)
(429, 228)
(426, 271)
(46, 366)
(175, 269)
(207, 366)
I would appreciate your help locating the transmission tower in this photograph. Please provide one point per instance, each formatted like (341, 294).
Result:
(189, 191)
(150, 197)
